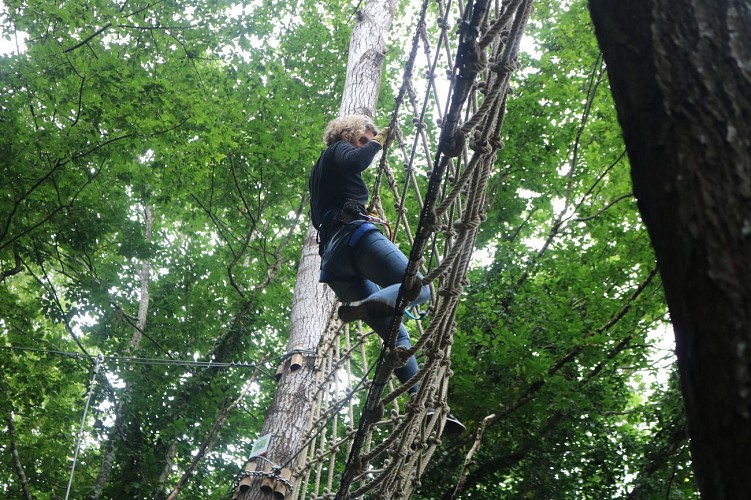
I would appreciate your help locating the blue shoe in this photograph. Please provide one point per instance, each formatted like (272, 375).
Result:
(363, 309)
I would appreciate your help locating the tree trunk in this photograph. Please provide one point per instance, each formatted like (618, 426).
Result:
(144, 275)
(17, 465)
(115, 436)
(680, 73)
(312, 304)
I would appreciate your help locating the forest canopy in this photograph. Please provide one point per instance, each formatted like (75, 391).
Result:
(155, 158)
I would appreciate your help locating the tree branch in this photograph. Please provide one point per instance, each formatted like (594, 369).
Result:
(80, 102)
(17, 465)
(107, 26)
(504, 462)
(50, 289)
(217, 223)
(18, 202)
(535, 387)
(603, 209)
(599, 179)
(274, 269)
(468, 460)
(143, 302)
(209, 439)
(155, 27)
(87, 39)
(594, 82)
(15, 270)
(246, 205)
(54, 212)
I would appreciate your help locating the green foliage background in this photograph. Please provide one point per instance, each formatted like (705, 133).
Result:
(204, 118)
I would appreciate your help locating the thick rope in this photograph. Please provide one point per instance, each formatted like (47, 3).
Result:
(466, 63)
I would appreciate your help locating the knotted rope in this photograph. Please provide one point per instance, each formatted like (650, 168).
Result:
(387, 447)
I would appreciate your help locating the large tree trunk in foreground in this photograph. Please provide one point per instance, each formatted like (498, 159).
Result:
(312, 303)
(680, 72)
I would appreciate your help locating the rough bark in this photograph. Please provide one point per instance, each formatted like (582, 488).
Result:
(312, 303)
(366, 53)
(680, 73)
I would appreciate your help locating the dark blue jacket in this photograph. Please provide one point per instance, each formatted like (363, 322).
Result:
(336, 177)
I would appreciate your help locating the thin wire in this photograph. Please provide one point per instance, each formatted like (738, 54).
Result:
(83, 421)
(75, 355)
(148, 361)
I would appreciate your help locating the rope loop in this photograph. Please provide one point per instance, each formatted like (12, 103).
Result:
(432, 223)
(435, 353)
(302, 352)
(456, 145)
(394, 417)
(481, 147)
(397, 357)
(497, 143)
(374, 415)
(445, 343)
(411, 289)
(414, 407)
(273, 474)
(466, 225)
(451, 292)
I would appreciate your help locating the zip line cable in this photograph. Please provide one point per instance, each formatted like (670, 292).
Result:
(151, 361)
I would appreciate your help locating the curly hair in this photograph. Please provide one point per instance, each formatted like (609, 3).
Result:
(347, 128)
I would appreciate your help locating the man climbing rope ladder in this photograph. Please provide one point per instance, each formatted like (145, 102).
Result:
(361, 265)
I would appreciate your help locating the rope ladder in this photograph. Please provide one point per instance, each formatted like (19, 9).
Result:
(366, 437)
